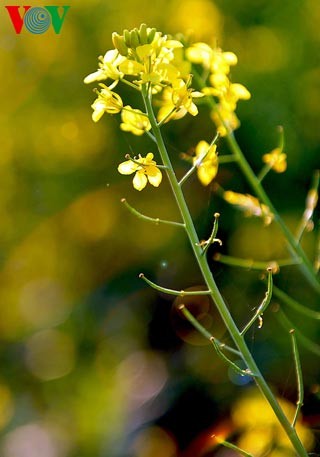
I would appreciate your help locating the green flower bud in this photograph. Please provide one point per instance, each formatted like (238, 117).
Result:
(127, 38)
(134, 38)
(119, 44)
(151, 35)
(143, 34)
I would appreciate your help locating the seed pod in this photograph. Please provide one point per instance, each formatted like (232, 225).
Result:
(143, 34)
(151, 34)
(119, 44)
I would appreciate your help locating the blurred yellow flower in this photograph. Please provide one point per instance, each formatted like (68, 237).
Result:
(206, 161)
(145, 169)
(225, 119)
(213, 59)
(261, 431)
(249, 204)
(178, 100)
(107, 102)
(108, 67)
(276, 159)
(134, 121)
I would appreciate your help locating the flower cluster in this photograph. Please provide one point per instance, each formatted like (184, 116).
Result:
(159, 66)
(217, 65)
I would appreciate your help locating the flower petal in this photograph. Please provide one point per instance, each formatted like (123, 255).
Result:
(139, 180)
(127, 168)
(154, 175)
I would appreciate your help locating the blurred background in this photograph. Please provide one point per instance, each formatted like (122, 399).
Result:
(93, 362)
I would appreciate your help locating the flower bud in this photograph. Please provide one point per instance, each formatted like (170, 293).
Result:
(134, 38)
(127, 38)
(143, 34)
(151, 35)
(119, 44)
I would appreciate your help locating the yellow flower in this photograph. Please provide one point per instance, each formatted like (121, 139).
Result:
(206, 161)
(107, 102)
(108, 67)
(225, 119)
(149, 55)
(145, 169)
(260, 427)
(134, 120)
(178, 99)
(250, 205)
(276, 159)
(212, 59)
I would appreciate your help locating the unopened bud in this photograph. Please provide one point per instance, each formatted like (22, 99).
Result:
(127, 38)
(151, 34)
(143, 34)
(119, 44)
(134, 38)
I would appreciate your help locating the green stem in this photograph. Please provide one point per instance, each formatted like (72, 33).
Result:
(211, 284)
(294, 246)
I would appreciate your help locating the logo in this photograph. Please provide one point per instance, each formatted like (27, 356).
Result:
(37, 19)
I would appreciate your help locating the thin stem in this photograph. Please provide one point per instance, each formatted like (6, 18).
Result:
(261, 309)
(156, 220)
(211, 284)
(295, 248)
(305, 341)
(179, 293)
(213, 235)
(298, 369)
(228, 158)
(198, 162)
(233, 447)
(204, 332)
(294, 304)
(311, 203)
(251, 264)
(229, 362)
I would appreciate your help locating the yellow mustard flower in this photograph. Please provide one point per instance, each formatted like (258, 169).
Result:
(107, 102)
(178, 100)
(108, 67)
(145, 169)
(134, 121)
(213, 59)
(206, 161)
(276, 159)
(225, 119)
(151, 63)
(250, 205)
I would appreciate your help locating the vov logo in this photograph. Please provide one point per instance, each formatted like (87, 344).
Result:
(37, 19)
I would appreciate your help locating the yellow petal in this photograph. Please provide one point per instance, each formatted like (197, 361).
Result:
(206, 173)
(154, 176)
(139, 180)
(96, 76)
(230, 58)
(240, 91)
(193, 110)
(127, 168)
(130, 67)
